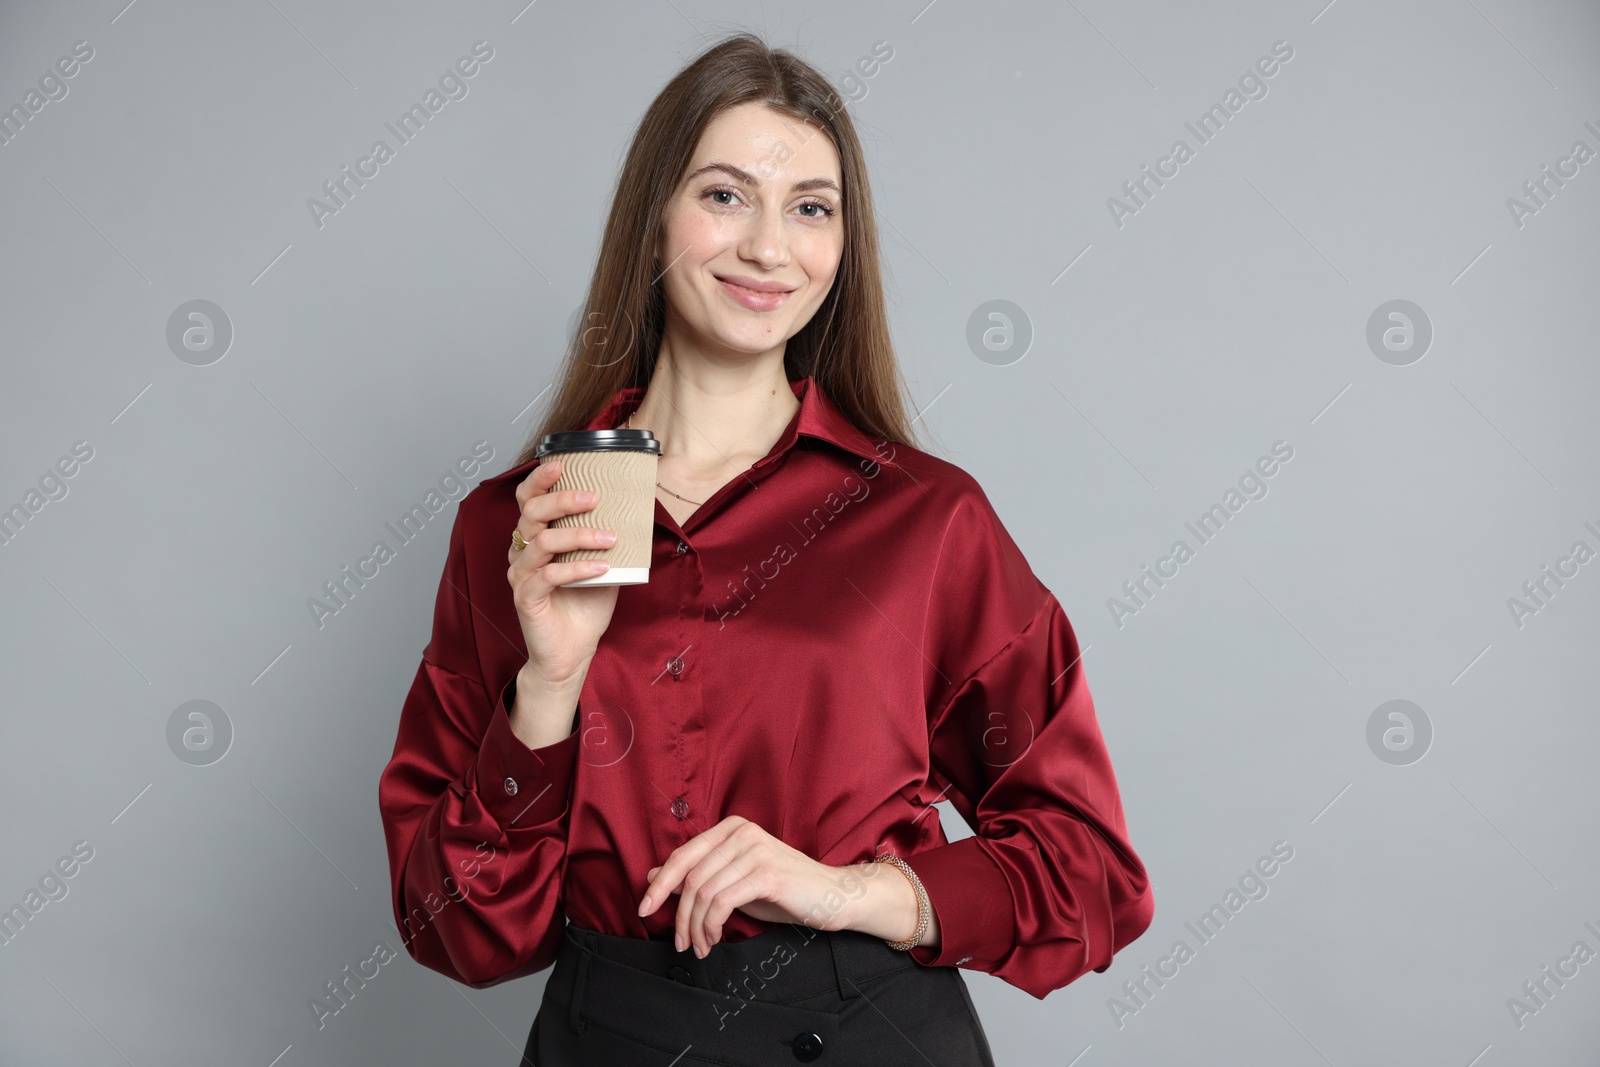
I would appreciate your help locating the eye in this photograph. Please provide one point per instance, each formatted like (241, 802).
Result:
(822, 208)
(719, 190)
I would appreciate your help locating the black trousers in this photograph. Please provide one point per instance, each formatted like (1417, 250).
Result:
(790, 995)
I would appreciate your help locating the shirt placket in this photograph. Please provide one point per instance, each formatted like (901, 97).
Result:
(684, 798)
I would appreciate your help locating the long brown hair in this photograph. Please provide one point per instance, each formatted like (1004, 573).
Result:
(845, 345)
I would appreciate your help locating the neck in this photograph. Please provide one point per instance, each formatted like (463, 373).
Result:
(707, 415)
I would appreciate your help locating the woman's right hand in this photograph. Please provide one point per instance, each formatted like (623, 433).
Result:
(561, 627)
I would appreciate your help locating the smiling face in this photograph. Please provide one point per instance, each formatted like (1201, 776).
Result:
(752, 237)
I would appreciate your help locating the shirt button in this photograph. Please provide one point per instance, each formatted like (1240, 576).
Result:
(675, 666)
(682, 548)
(511, 787)
(680, 807)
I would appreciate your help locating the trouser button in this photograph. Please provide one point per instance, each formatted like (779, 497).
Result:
(807, 1047)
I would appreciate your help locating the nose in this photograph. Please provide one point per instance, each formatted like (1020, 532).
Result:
(766, 239)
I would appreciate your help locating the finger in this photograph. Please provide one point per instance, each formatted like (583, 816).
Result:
(544, 508)
(733, 885)
(539, 480)
(649, 876)
(658, 886)
(534, 522)
(545, 474)
(725, 863)
(687, 930)
(532, 584)
(554, 540)
(555, 575)
(670, 874)
(529, 589)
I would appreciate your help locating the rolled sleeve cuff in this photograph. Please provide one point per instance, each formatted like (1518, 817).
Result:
(523, 787)
(969, 893)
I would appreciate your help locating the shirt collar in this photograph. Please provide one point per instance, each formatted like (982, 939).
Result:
(818, 418)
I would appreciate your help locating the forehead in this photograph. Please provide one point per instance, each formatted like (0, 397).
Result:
(766, 143)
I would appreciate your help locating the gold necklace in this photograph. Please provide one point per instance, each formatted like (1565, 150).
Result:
(626, 425)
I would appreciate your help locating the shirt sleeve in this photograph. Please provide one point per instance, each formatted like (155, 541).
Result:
(1048, 887)
(475, 821)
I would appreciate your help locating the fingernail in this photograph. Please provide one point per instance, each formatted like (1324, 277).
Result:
(586, 497)
(643, 904)
(598, 565)
(677, 942)
(606, 537)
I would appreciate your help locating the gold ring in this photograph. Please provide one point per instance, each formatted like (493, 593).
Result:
(518, 542)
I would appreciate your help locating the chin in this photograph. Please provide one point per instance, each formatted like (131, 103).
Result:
(753, 345)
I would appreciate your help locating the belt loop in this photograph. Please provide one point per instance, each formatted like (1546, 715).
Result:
(579, 981)
(841, 964)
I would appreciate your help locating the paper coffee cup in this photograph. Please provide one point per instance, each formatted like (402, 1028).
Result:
(619, 466)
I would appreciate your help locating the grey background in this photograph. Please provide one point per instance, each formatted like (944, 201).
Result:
(1229, 313)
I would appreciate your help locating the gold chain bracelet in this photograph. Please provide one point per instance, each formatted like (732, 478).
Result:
(923, 908)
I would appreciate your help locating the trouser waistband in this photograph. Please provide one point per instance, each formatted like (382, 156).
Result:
(642, 987)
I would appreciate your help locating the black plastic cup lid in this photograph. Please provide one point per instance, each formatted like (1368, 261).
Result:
(599, 441)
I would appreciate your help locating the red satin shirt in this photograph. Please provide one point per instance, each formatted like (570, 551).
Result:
(832, 642)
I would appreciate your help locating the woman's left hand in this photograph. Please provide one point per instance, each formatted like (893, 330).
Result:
(737, 864)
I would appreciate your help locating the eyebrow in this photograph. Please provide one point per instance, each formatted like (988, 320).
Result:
(750, 179)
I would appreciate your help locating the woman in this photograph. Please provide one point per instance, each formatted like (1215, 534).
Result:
(710, 776)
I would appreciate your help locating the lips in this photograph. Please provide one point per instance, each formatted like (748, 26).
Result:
(755, 284)
(755, 295)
